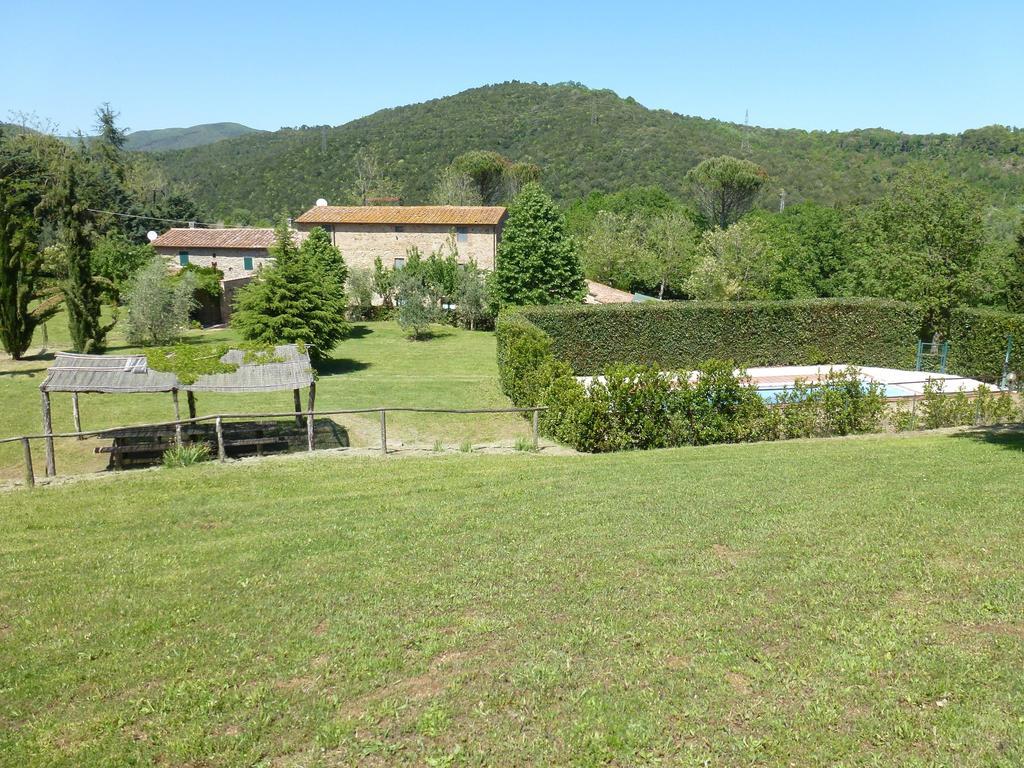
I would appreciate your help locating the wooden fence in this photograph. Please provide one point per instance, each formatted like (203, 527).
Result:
(218, 420)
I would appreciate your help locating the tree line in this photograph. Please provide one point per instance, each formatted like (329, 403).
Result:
(927, 238)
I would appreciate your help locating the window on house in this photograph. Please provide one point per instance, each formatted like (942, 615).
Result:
(462, 234)
(399, 262)
(183, 258)
(247, 263)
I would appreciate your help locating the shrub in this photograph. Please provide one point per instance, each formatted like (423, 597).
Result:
(717, 407)
(840, 404)
(416, 308)
(186, 455)
(991, 408)
(637, 407)
(158, 304)
(941, 409)
(523, 350)
(360, 292)
(977, 343)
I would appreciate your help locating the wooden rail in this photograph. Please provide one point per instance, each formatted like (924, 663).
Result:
(219, 418)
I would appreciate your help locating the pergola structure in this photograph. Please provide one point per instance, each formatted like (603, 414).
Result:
(131, 374)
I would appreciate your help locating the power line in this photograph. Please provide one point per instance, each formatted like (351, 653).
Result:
(190, 222)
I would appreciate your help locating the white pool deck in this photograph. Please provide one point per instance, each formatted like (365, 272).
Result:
(912, 381)
(786, 375)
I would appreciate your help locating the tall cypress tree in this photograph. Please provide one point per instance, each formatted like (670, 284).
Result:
(81, 292)
(537, 260)
(22, 306)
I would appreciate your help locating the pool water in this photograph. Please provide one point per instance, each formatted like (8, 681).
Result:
(771, 394)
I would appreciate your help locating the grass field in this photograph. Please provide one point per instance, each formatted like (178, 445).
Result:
(376, 367)
(843, 602)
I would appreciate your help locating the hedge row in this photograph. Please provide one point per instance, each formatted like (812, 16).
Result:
(676, 335)
(977, 343)
(682, 335)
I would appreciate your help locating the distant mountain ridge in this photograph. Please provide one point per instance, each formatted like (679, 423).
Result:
(165, 139)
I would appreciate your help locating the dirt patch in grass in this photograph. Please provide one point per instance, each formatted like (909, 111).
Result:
(320, 628)
(729, 556)
(443, 668)
(739, 682)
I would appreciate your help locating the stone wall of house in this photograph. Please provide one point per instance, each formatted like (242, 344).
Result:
(230, 261)
(360, 244)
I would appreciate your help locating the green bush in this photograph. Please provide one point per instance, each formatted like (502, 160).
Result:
(674, 335)
(977, 343)
(523, 350)
(840, 404)
(639, 407)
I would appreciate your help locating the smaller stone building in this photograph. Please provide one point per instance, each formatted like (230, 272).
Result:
(235, 252)
(366, 232)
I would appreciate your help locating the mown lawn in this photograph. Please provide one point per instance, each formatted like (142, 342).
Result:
(841, 602)
(377, 366)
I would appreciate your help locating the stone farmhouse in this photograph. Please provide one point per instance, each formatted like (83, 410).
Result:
(363, 233)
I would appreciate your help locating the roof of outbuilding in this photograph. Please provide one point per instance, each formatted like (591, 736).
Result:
(131, 373)
(255, 237)
(599, 293)
(446, 215)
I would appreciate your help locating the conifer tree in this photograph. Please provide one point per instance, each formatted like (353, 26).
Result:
(81, 289)
(537, 260)
(325, 256)
(23, 305)
(290, 302)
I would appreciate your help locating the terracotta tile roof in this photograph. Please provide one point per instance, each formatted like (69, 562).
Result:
(447, 215)
(599, 293)
(216, 238)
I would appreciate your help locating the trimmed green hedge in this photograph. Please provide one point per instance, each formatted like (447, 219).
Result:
(977, 343)
(684, 334)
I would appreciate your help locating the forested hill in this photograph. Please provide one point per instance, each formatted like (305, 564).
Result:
(584, 140)
(162, 139)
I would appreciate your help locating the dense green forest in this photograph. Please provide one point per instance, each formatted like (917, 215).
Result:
(583, 140)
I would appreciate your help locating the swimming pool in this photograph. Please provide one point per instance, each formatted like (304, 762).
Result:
(771, 394)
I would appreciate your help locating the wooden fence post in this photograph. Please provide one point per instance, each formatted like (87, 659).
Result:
(310, 436)
(536, 429)
(177, 418)
(298, 407)
(51, 463)
(30, 475)
(383, 432)
(76, 414)
(221, 453)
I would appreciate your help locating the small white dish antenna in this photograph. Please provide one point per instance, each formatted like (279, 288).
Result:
(320, 202)
(151, 235)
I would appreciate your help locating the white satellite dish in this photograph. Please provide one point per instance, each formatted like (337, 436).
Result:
(151, 235)
(320, 203)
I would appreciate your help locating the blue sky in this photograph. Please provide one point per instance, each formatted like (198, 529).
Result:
(911, 66)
